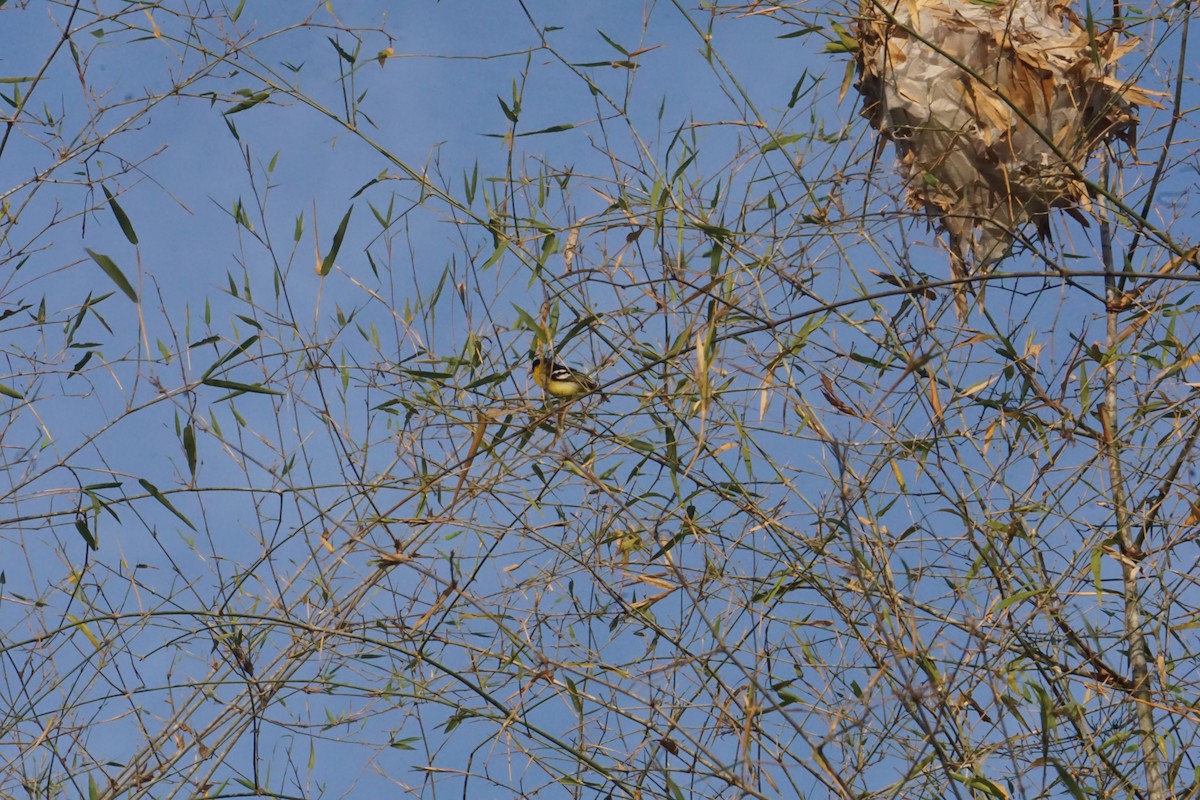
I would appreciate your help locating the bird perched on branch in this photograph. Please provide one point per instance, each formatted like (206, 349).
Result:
(561, 382)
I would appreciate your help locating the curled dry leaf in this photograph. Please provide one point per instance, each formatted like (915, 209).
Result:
(831, 397)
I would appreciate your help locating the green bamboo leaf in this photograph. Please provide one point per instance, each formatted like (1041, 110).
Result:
(576, 700)
(780, 141)
(471, 186)
(566, 126)
(252, 99)
(232, 354)
(846, 41)
(508, 112)
(982, 784)
(807, 29)
(1016, 598)
(426, 374)
(613, 44)
(8, 312)
(715, 231)
(383, 176)
(98, 501)
(251, 388)
(1069, 781)
(189, 447)
(500, 250)
(82, 362)
(8, 391)
(114, 273)
(349, 57)
(327, 263)
(122, 217)
(587, 323)
(81, 526)
(162, 498)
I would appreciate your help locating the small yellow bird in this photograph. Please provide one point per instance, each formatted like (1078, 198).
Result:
(561, 382)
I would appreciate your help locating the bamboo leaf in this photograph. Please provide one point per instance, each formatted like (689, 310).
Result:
(162, 498)
(250, 388)
(250, 102)
(81, 526)
(566, 126)
(189, 448)
(331, 256)
(114, 273)
(122, 217)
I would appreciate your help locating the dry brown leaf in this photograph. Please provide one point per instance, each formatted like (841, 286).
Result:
(828, 391)
(948, 97)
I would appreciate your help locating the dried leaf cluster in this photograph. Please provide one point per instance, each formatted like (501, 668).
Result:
(994, 110)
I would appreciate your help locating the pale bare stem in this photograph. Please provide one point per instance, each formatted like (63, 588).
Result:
(1131, 552)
